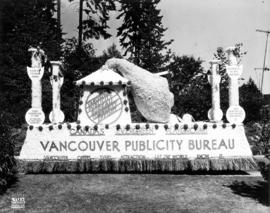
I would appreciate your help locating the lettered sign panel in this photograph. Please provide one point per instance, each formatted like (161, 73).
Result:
(35, 73)
(144, 142)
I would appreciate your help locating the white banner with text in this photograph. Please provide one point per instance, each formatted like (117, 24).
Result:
(144, 143)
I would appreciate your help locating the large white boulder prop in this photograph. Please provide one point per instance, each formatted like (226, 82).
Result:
(151, 92)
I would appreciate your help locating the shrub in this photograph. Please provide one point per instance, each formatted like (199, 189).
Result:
(265, 169)
(7, 160)
(258, 133)
(254, 136)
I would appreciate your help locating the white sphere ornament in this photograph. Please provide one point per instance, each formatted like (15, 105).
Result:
(187, 118)
(56, 116)
(215, 114)
(235, 114)
(35, 116)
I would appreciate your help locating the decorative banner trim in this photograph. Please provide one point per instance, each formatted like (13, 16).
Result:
(136, 165)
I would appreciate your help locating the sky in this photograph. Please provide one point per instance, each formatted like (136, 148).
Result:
(198, 27)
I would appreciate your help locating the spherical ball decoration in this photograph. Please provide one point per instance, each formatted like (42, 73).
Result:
(81, 94)
(187, 118)
(166, 126)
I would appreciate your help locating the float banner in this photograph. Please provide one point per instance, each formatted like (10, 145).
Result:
(135, 143)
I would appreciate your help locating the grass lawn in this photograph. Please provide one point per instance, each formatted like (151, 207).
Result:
(125, 193)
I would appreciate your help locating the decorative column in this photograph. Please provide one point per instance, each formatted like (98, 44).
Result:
(235, 113)
(35, 116)
(215, 113)
(56, 115)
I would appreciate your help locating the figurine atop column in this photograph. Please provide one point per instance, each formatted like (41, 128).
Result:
(57, 79)
(215, 113)
(235, 113)
(35, 116)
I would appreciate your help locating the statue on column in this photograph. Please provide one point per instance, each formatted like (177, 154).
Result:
(35, 116)
(57, 79)
(235, 113)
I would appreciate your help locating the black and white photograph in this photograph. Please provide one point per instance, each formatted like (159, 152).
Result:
(135, 106)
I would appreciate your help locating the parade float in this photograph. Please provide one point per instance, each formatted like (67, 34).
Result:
(104, 138)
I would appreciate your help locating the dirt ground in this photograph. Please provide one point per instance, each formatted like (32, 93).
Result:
(134, 193)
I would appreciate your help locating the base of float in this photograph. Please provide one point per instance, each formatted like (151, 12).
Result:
(136, 166)
(73, 148)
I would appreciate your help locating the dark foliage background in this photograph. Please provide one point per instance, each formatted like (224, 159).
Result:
(32, 22)
(7, 160)
(189, 84)
(25, 23)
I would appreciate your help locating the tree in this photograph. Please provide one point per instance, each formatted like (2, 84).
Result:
(25, 23)
(97, 12)
(197, 99)
(184, 70)
(95, 26)
(78, 64)
(111, 52)
(7, 160)
(251, 99)
(189, 84)
(141, 34)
